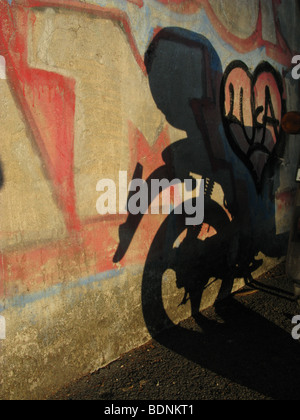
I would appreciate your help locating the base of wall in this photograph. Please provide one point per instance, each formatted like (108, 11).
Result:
(64, 333)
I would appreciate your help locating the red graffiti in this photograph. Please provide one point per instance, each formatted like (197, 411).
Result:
(279, 51)
(48, 99)
(140, 151)
(48, 102)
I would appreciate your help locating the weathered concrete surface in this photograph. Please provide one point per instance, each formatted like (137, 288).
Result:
(59, 335)
(78, 103)
(241, 349)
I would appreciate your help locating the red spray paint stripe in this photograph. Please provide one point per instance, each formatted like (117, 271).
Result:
(34, 89)
(48, 103)
(85, 254)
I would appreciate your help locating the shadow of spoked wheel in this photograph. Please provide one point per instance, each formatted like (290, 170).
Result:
(164, 255)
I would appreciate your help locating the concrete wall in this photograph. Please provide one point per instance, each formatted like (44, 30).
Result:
(92, 88)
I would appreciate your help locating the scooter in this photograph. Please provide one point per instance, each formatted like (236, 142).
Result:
(291, 125)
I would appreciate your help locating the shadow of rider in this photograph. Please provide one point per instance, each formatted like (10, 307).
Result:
(185, 76)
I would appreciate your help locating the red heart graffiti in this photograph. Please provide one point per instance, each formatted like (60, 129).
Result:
(252, 112)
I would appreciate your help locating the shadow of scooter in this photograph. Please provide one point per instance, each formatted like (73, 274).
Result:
(291, 125)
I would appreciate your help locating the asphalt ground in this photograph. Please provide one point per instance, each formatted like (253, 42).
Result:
(240, 349)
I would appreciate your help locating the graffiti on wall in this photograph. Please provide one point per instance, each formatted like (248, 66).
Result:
(252, 112)
(81, 102)
(247, 28)
(196, 99)
(51, 90)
